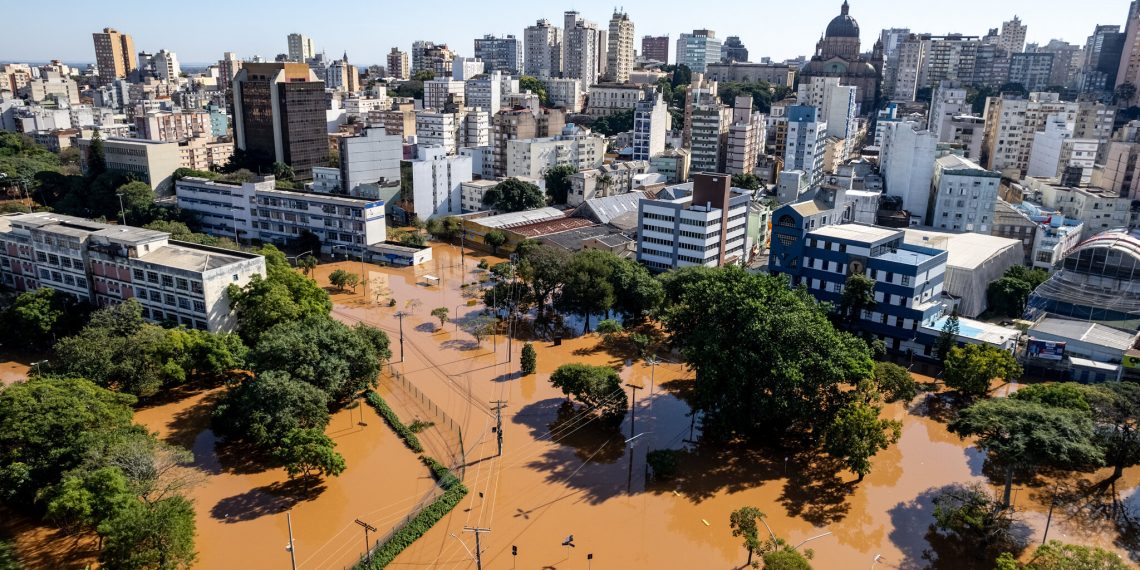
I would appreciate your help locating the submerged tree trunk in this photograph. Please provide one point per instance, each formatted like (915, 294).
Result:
(1117, 472)
(749, 563)
(1005, 499)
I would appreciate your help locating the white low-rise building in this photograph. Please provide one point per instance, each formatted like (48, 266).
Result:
(472, 194)
(703, 223)
(257, 210)
(176, 283)
(531, 158)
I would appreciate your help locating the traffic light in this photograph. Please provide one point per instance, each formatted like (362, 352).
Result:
(514, 550)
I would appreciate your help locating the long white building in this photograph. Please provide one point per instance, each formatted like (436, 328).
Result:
(257, 210)
(176, 283)
(531, 158)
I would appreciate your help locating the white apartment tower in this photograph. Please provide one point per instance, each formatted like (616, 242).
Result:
(301, 48)
(907, 164)
(807, 135)
(1012, 36)
(650, 122)
(542, 46)
(746, 137)
(964, 196)
(948, 101)
(580, 49)
(619, 56)
(1010, 127)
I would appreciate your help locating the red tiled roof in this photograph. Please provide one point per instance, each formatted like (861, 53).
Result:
(551, 227)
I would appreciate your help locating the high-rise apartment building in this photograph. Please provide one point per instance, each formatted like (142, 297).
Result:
(114, 54)
(907, 164)
(804, 149)
(963, 195)
(837, 106)
(1103, 54)
(1012, 36)
(500, 54)
(428, 56)
(301, 48)
(733, 50)
(947, 101)
(518, 124)
(619, 56)
(279, 116)
(745, 137)
(398, 65)
(1011, 123)
(650, 122)
(1032, 70)
(655, 48)
(1129, 69)
(542, 43)
(698, 50)
(228, 67)
(580, 49)
(702, 223)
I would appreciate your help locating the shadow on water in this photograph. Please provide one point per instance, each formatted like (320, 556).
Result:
(589, 447)
(187, 423)
(267, 500)
(464, 345)
(924, 547)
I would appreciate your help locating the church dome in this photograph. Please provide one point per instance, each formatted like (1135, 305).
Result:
(843, 26)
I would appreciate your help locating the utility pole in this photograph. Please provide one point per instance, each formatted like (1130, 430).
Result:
(400, 315)
(478, 550)
(292, 549)
(499, 405)
(367, 545)
(462, 262)
(121, 208)
(633, 407)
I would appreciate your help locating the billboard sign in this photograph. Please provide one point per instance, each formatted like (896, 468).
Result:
(1046, 349)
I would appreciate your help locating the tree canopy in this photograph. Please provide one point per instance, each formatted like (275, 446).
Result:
(781, 365)
(283, 295)
(1021, 434)
(595, 386)
(514, 195)
(558, 182)
(970, 369)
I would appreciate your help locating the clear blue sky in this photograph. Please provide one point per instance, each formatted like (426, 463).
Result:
(200, 31)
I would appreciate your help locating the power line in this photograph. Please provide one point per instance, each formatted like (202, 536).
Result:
(478, 550)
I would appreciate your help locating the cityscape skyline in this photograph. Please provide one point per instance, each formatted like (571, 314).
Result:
(458, 29)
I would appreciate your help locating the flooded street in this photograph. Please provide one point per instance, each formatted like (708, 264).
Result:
(565, 472)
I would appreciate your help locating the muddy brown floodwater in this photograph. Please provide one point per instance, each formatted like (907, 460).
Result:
(563, 472)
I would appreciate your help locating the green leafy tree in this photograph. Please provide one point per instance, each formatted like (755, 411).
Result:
(339, 279)
(283, 295)
(558, 182)
(514, 195)
(82, 501)
(1056, 555)
(310, 453)
(529, 359)
(1033, 277)
(786, 558)
(339, 360)
(495, 239)
(503, 271)
(895, 382)
(441, 313)
(858, 433)
(36, 317)
(858, 296)
(637, 295)
(948, 339)
(8, 558)
(265, 409)
(972, 518)
(138, 202)
(307, 263)
(145, 536)
(536, 86)
(682, 75)
(1007, 296)
(609, 329)
(789, 364)
(611, 125)
(1019, 434)
(424, 75)
(744, 524)
(970, 369)
(446, 228)
(479, 327)
(747, 181)
(282, 171)
(46, 426)
(588, 288)
(96, 156)
(598, 387)
(543, 268)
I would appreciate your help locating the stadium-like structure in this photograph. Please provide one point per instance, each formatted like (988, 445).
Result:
(1099, 281)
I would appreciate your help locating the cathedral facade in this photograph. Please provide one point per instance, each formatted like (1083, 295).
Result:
(837, 55)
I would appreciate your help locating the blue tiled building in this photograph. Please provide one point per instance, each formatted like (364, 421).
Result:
(908, 279)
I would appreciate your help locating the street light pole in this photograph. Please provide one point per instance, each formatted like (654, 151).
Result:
(121, 208)
(400, 315)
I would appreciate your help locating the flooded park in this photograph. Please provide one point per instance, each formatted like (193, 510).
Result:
(566, 473)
